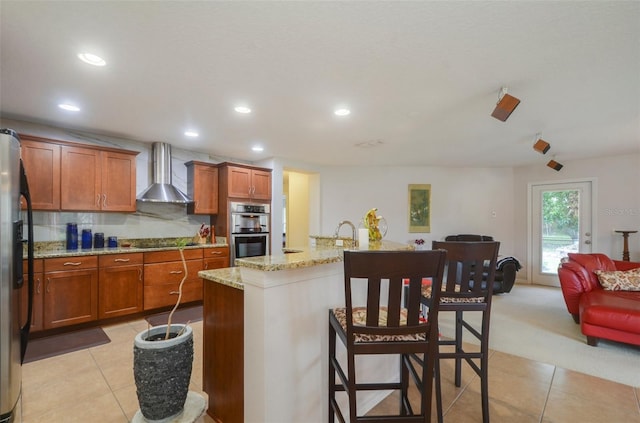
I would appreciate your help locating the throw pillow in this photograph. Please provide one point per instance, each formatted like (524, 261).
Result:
(619, 280)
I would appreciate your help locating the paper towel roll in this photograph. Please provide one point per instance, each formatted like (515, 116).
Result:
(363, 238)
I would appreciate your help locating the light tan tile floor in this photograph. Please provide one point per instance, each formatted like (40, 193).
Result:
(96, 385)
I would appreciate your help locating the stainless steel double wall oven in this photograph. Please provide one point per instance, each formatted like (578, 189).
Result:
(249, 226)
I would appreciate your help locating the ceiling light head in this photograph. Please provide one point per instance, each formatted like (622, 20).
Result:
(192, 134)
(540, 145)
(506, 105)
(257, 149)
(554, 165)
(92, 59)
(242, 109)
(342, 112)
(69, 107)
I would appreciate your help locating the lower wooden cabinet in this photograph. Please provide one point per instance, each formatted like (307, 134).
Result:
(120, 286)
(163, 272)
(70, 291)
(215, 258)
(81, 289)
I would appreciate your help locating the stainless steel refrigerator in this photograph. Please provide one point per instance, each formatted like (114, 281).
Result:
(13, 282)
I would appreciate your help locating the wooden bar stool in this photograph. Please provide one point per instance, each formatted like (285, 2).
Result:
(383, 326)
(468, 287)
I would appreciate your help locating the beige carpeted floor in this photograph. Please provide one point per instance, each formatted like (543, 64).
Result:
(532, 322)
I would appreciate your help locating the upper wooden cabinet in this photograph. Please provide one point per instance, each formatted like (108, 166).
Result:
(70, 176)
(202, 187)
(97, 180)
(42, 166)
(239, 181)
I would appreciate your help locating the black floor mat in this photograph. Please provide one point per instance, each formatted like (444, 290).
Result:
(182, 315)
(51, 346)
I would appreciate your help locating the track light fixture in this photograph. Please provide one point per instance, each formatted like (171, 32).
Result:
(554, 165)
(541, 146)
(506, 105)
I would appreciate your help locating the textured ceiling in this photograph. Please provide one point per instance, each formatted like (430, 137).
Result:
(422, 77)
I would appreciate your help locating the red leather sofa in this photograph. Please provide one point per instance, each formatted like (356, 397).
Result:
(613, 315)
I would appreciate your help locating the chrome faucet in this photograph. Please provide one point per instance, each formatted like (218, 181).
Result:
(353, 229)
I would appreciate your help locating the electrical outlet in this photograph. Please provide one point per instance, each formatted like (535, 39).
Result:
(339, 243)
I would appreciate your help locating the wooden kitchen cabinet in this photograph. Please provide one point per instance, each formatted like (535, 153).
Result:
(163, 272)
(97, 180)
(215, 258)
(246, 182)
(202, 187)
(120, 285)
(42, 167)
(38, 278)
(70, 291)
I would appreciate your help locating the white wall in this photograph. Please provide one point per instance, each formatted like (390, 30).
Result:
(463, 200)
(616, 199)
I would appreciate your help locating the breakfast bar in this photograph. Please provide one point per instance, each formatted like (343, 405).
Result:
(266, 336)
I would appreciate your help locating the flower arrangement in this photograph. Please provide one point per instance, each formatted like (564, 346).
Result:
(419, 244)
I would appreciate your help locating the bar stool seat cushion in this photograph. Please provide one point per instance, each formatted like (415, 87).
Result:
(360, 319)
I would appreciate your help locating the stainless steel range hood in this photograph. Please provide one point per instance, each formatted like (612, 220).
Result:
(162, 190)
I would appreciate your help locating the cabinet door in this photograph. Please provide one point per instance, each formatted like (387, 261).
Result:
(204, 190)
(42, 166)
(36, 316)
(118, 182)
(80, 179)
(120, 291)
(70, 297)
(239, 182)
(261, 182)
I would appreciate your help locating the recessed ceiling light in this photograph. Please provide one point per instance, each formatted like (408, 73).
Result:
(191, 134)
(92, 59)
(257, 149)
(69, 107)
(342, 112)
(242, 109)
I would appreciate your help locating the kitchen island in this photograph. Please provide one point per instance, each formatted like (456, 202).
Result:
(266, 337)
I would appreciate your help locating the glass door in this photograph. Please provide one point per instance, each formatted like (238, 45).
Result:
(561, 224)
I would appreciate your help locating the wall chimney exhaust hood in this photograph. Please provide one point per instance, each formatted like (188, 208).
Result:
(162, 190)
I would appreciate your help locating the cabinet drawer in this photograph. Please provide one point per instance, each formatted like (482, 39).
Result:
(215, 263)
(128, 259)
(38, 266)
(172, 255)
(70, 263)
(161, 296)
(170, 273)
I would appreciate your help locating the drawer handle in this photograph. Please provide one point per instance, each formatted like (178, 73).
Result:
(38, 287)
(175, 272)
(48, 284)
(140, 275)
(72, 263)
(216, 253)
(122, 260)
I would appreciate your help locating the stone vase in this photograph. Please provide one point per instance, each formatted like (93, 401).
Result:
(162, 371)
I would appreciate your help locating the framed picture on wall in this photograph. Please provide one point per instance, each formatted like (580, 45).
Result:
(420, 208)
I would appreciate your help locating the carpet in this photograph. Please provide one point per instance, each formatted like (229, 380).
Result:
(51, 346)
(532, 322)
(182, 315)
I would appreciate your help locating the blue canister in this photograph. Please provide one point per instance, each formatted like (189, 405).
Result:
(113, 241)
(87, 240)
(98, 240)
(72, 236)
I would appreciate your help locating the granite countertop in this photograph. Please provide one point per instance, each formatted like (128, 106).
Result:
(312, 257)
(56, 249)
